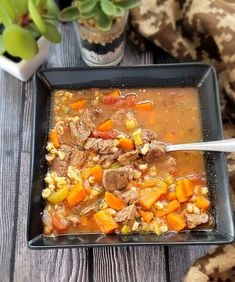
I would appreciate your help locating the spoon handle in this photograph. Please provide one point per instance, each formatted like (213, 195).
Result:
(227, 145)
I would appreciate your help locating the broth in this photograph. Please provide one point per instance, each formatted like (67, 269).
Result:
(169, 189)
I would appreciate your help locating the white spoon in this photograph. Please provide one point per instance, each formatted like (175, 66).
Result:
(227, 145)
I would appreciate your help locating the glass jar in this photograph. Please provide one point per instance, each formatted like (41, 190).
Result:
(103, 48)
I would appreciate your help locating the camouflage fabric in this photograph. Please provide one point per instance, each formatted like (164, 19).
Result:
(200, 30)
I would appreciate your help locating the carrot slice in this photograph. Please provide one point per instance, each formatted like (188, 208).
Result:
(162, 185)
(180, 191)
(57, 222)
(172, 206)
(188, 187)
(146, 106)
(54, 138)
(105, 221)
(105, 125)
(97, 172)
(79, 104)
(175, 222)
(149, 196)
(76, 195)
(202, 202)
(147, 216)
(114, 202)
(112, 97)
(171, 196)
(126, 144)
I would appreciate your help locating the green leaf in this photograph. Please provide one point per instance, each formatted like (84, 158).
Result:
(69, 14)
(8, 8)
(34, 30)
(90, 14)
(52, 33)
(5, 19)
(52, 8)
(21, 6)
(37, 19)
(108, 7)
(103, 22)
(128, 4)
(2, 49)
(87, 5)
(40, 3)
(119, 12)
(19, 42)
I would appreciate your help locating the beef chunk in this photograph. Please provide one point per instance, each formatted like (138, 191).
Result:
(110, 157)
(130, 197)
(116, 179)
(118, 116)
(77, 158)
(61, 166)
(128, 157)
(194, 220)
(156, 150)
(82, 130)
(171, 164)
(127, 215)
(100, 145)
(148, 135)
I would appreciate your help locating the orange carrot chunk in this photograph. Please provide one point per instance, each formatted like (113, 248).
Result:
(126, 144)
(175, 222)
(147, 216)
(97, 173)
(172, 206)
(112, 97)
(188, 187)
(76, 195)
(171, 196)
(202, 202)
(148, 196)
(105, 221)
(148, 183)
(114, 202)
(105, 125)
(180, 191)
(54, 138)
(79, 104)
(146, 106)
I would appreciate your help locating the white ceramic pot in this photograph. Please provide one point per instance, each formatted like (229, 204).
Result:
(25, 69)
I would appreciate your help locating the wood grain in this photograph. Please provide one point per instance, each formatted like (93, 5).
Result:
(10, 112)
(180, 259)
(47, 265)
(129, 264)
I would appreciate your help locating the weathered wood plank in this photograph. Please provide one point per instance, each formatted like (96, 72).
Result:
(46, 265)
(180, 259)
(129, 264)
(10, 112)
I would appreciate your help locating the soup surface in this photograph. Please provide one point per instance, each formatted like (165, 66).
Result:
(108, 171)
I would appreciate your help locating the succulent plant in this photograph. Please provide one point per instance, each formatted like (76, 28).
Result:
(23, 22)
(102, 12)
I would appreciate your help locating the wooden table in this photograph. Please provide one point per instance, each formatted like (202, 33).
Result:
(20, 264)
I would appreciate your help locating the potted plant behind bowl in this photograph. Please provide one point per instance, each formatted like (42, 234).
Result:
(101, 28)
(26, 29)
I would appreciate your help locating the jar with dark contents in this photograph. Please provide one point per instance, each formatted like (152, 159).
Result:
(102, 48)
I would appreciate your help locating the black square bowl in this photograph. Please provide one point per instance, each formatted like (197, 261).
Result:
(197, 75)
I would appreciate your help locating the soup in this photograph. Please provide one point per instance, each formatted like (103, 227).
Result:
(108, 170)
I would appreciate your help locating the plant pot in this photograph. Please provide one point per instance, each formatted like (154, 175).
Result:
(102, 48)
(23, 70)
